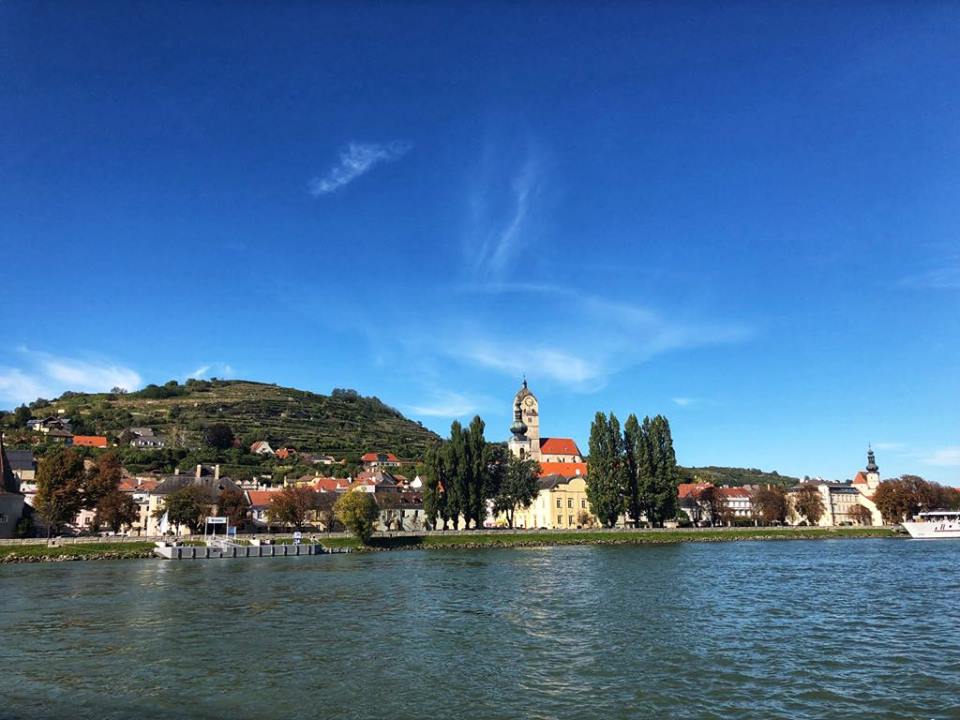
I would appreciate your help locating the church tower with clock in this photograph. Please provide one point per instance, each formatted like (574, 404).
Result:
(529, 409)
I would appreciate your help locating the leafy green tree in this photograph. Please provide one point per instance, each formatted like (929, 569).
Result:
(116, 509)
(187, 506)
(219, 436)
(606, 469)
(21, 415)
(656, 464)
(457, 461)
(358, 512)
(634, 442)
(435, 485)
(519, 487)
(478, 473)
(60, 479)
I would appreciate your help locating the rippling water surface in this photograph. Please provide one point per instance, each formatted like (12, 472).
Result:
(800, 629)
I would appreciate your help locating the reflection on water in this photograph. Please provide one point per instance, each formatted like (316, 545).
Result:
(847, 628)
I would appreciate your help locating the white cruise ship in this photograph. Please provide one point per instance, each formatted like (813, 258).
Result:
(934, 525)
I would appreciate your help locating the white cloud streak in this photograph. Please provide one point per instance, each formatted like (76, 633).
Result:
(46, 375)
(356, 159)
(492, 242)
(448, 405)
(215, 369)
(945, 277)
(944, 457)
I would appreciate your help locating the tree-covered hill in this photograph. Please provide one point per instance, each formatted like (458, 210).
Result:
(735, 476)
(343, 423)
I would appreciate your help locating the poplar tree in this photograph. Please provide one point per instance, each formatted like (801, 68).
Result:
(606, 469)
(634, 452)
(476, 473)
(435, 488)
(657, 471)
(458, 474)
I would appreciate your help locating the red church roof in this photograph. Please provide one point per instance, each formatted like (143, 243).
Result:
(558, 446)
(566, 469)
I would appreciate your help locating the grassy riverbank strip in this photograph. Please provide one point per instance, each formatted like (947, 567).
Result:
(506, 538)
(84, 551)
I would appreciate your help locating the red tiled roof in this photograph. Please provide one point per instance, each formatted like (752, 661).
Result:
(566, 469)
(329, 484)
(860, 479)
(558, 446)
(375, 457)
(694, 489)
(732, 492)
(98, 441)
(260, 498)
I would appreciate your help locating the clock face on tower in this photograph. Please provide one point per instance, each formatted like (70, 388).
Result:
(529, 402)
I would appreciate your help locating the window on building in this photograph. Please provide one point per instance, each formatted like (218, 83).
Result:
(569, 502)
(570, 520)
(559, 520)
(559, 503)
(3, 518)
(583, 504)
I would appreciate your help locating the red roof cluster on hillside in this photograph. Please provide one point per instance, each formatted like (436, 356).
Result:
(565, 469)
(97, 441)
(558, 446)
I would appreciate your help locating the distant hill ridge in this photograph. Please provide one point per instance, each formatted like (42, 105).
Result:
(341, 423)
(735, 476)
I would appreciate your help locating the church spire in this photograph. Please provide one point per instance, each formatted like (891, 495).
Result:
(518, 428)
(871, 460)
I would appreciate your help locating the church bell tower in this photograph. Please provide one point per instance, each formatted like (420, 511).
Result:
(526, 409)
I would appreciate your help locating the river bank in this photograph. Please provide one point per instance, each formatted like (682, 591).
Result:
(464, 541)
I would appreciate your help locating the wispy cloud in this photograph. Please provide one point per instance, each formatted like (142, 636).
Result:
(448, 405)
(890, 446)
(609, 337)
(215, 369)
(500, 210)
(42, 374)
(356, 159)
(944, 457)
(684, 401)
(945, 277)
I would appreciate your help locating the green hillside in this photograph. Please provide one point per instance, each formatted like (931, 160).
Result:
(341, 424)
(735, 476)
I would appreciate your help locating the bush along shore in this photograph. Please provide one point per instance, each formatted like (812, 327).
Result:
(463, 541)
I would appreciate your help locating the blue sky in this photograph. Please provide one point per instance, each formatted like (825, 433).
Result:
(742, 216)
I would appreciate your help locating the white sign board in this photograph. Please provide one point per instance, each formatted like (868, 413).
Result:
(216, 521)
(297, 537)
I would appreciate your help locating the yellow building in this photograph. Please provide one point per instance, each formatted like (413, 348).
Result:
(561, 504)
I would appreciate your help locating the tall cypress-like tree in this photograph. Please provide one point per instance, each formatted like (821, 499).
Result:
(634, 451)
(606, 469)
(435, 489)
(657, 471)
(458, 474)
(476, 473)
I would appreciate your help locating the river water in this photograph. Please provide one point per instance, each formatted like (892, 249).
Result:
(793, 629)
